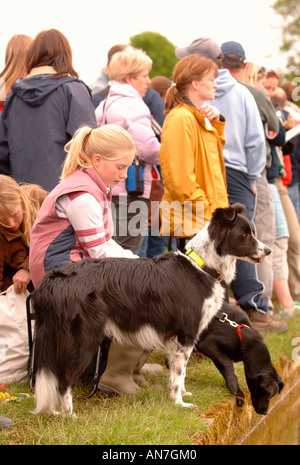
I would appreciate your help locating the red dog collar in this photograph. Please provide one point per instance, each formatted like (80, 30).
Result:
(240, 332)
(223, 317)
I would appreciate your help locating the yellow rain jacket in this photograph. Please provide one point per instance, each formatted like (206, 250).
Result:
(193, 171)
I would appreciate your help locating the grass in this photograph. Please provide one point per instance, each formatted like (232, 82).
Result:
(148, 418)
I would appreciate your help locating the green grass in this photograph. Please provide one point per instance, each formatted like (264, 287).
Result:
(148, 418)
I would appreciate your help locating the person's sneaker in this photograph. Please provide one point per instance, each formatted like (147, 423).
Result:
(287, 313)
(297, 306)
(5, 422)
(263, 322)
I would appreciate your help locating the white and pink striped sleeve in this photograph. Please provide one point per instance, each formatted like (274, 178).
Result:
(86, 217)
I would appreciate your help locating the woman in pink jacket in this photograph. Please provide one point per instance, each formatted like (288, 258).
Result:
(125, 107)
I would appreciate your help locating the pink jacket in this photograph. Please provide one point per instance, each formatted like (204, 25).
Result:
(124, 106)
(53, 241)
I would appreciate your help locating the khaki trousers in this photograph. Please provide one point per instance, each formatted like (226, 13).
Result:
(293, 253)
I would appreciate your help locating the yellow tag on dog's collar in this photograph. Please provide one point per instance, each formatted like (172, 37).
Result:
(194, 256)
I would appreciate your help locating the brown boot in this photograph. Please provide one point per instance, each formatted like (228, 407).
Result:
(263, 322)
(137, 374)
(118, 375)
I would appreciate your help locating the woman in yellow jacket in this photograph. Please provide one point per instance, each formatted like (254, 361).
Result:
(191, 150)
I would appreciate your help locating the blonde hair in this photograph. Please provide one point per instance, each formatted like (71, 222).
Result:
(110, 141)
(12, 193)
(127, 63)
(15, 61)
(252, 74)
(189, 69)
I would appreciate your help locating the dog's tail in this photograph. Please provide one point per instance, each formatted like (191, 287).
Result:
(46, 392)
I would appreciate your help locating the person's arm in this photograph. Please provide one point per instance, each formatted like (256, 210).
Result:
(4, 150)
(21, 278)
(81, 107)
(138, 122)
(86, 217)
(255, 143)
(1, 261)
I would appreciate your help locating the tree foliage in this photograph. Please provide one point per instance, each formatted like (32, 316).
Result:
(290, 11)
(159, 49)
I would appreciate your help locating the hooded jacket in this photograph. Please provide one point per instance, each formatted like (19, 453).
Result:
(245, 147)
(40, 116)
(193, 171)
(124, 106)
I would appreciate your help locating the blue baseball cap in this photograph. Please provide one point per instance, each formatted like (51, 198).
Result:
(233, 48)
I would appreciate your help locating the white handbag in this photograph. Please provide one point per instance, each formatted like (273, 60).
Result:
(14, 346)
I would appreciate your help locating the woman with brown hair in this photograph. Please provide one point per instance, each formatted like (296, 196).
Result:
(15, 67)
(42, 113)
(191, 149)
(124, 106)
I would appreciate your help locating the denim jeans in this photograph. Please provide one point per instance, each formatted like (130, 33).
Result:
(152, 245)
(246, 287)
(295, 198)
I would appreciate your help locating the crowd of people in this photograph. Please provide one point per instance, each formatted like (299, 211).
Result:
(219, 131)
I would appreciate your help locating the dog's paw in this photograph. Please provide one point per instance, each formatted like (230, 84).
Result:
(185, 393)
(184, 404)
(187, 405)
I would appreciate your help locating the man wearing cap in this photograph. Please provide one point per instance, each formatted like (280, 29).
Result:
(234, 56)
(245, 158)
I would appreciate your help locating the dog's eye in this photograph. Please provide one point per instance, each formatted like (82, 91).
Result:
(245, 235)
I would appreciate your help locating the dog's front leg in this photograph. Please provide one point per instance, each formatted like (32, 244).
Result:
(178, 358)
(226, 368)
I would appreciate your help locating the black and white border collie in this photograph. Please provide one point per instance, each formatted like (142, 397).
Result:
(164, 302)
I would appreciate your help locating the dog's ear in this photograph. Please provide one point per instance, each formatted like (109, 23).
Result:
(239, 208)
(269, 385)
(229, 214)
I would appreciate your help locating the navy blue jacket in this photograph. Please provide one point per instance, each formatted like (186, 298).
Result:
(279, 140)
(40, 116)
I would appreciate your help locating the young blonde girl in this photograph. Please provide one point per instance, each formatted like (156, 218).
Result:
(75, 223)
(18, 209)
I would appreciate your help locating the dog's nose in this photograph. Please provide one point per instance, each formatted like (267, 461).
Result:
(267, 250)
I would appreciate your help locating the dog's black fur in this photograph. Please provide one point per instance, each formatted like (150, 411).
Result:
(221, 343)
(166, 301)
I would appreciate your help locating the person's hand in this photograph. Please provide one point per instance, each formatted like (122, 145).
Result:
(210, 112)
(290, 123)
(20, 281)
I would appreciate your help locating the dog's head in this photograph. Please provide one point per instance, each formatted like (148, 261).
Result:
(233, 234)
(263, 388)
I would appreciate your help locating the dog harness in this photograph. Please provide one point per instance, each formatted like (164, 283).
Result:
(223, 318)
(197, 259)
